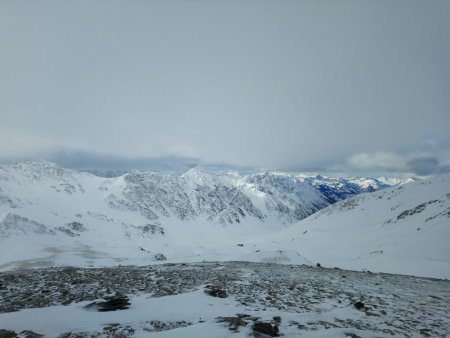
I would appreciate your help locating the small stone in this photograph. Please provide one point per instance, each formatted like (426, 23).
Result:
(359, 305)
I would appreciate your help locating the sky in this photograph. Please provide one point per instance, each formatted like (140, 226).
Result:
(352, 86)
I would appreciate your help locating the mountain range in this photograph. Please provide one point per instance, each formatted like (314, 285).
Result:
(51, 215)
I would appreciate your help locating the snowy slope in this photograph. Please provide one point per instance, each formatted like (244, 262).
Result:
(405, 229)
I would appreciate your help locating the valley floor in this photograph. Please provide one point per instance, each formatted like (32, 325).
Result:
(170, 301)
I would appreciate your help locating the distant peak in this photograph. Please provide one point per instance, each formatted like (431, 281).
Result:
(33, 165)
(198, 169)
(199, 175)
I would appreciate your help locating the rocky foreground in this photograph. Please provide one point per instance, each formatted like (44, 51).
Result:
(220, 300)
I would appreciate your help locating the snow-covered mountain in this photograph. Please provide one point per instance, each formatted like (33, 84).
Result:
(285, 197)
(53, 212)
(405, 229)
(339, 188)
(55, 216)
(195, 194)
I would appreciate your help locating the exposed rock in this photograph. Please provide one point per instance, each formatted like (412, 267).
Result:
(390, 305)
(157, 325)
(266, 328)
(159, 257)
(14, 225)
(72, 229)
(116, 331)
(359, 305)
(30, 334)
(352, 335)
(233, 322)
(286, 196)
(151, 229)
(7, 334)
(216, 291)
(116, 303)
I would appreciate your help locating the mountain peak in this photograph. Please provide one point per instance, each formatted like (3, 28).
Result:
(199, 175)
(37, 169)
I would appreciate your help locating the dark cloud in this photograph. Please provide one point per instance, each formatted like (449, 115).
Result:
(424, 166)
(444, 169)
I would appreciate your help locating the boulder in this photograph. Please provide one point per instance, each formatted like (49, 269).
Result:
(113, 304)
(216, 291)
(266, 328)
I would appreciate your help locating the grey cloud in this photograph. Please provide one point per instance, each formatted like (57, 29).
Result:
(292, 84)
(424, 166)
(103, 163)
(377, 161)
(413, 161)
(444, 169)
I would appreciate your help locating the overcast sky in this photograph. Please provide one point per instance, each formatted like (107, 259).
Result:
(299, 85)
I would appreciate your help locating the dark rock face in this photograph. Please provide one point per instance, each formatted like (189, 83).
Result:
(113, 304)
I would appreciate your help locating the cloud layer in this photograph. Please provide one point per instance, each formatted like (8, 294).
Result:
(257, 83)
(421, 165)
